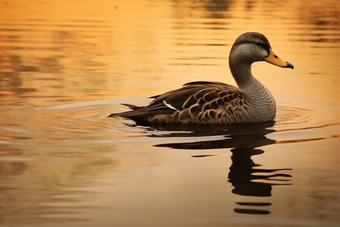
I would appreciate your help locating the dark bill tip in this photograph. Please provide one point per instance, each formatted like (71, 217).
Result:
(289, 65)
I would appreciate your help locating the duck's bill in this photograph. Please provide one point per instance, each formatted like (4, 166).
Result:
(275, 60)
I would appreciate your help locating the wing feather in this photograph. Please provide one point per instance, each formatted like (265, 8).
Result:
(195, 98)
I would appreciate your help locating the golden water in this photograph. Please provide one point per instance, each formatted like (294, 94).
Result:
(66, 65)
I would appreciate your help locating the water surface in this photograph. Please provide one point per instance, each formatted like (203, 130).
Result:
(65, 66)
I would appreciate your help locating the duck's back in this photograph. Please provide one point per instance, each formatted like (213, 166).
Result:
(199, 102)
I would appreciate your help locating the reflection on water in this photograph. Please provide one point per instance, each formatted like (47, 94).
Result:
(241, 176)
(64, 66)
(245, 176)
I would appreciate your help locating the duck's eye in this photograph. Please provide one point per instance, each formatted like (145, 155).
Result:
(259, 43)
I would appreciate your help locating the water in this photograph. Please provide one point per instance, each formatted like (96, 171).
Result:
(65, 66)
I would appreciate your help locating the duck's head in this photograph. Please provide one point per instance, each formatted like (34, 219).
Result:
(253, 46)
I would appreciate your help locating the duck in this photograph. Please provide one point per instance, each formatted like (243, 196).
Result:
(210, 102)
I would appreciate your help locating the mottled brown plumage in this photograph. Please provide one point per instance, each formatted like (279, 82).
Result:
(204, 102)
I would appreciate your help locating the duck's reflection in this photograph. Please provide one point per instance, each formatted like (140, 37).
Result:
(245, 176)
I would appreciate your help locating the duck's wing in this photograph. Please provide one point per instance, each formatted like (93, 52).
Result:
(196, 97)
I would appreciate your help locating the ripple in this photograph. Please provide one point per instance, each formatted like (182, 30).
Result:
(307, 123)
(72, 121)
(289, 115)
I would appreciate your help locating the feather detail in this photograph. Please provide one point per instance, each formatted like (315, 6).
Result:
(168, 105)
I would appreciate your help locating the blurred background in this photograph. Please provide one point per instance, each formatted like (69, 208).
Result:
(66, 65)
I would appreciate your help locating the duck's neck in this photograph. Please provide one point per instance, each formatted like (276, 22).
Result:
(241, 72)
(256, 93)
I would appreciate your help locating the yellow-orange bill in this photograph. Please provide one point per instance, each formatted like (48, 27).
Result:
(275, 60)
